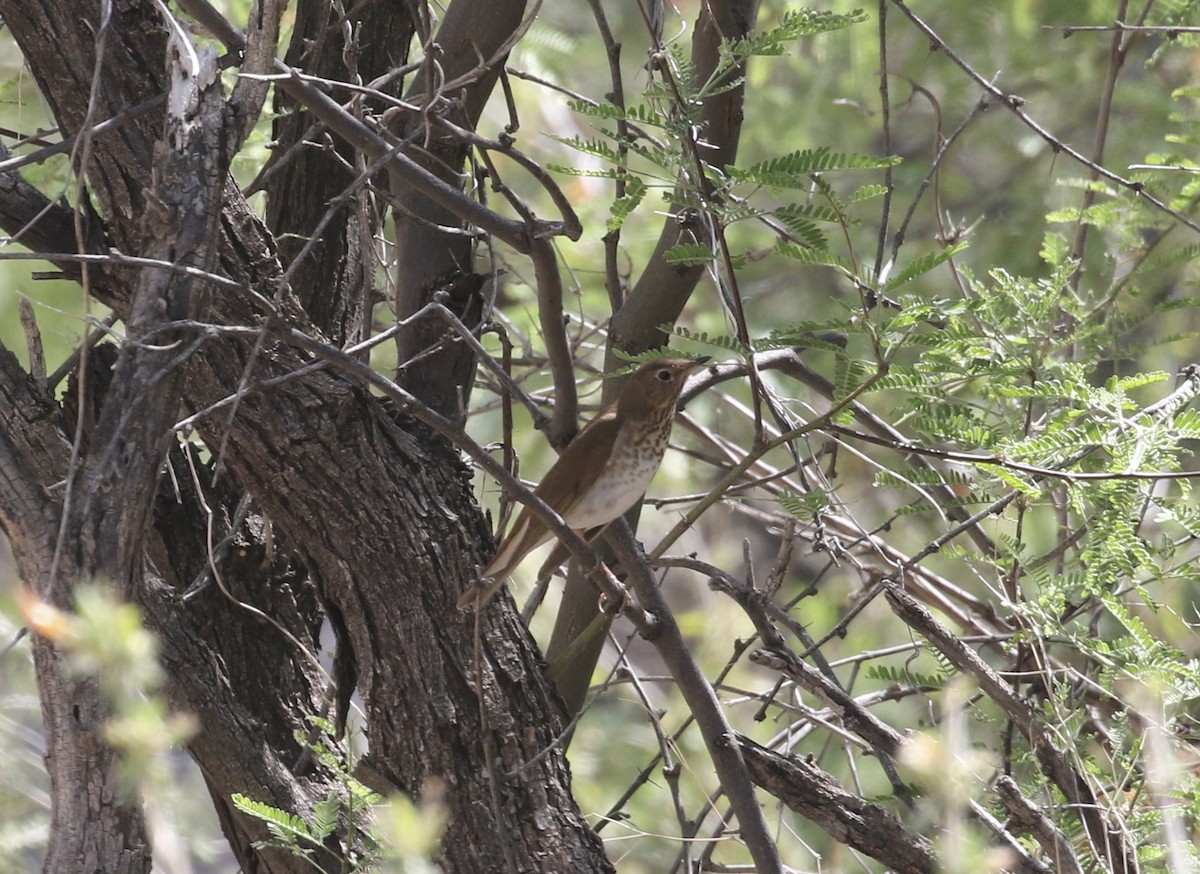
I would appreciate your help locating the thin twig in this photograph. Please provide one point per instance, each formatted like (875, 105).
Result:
(1014, 103)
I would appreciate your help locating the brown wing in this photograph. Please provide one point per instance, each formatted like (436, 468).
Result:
(580, 465)
(562, 486)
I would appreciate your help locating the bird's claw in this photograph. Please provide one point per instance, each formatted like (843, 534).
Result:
(625, 601)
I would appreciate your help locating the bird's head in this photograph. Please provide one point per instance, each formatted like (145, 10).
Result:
(656, 385)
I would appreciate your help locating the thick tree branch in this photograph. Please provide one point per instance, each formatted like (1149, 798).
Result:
(1026, 818)
(180, 226)
(356, 489)
(857, 823)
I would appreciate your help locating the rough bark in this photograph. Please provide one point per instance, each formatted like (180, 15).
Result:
(96, 825)
(324, 221)
(814, 794)
(429, 257)
(92, 829)
(377, 513)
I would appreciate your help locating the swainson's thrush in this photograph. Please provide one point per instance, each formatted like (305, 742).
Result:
(602, 472)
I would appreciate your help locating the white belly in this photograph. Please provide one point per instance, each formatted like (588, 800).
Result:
(615, 491)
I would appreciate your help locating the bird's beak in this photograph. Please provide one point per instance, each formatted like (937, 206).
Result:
(700, 360)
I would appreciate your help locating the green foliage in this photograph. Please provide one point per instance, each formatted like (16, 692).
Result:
(635, 190)
(373, 833)
(795, 169)
(105, 639)
(794, 24)
(801, 222)
(907, 677)
(923, 265)
(287, 830)
(689, 255)
(804, 506)
(1017, 381)
(815, 257)
(669, 107)
(718, 341)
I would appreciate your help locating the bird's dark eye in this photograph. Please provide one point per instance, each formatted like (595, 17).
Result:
(665, 375)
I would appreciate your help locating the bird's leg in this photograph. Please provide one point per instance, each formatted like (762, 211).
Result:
(591, 535)
(602, 606)
(554, 561)
(550, 567)
(623, 602)
(559, 554)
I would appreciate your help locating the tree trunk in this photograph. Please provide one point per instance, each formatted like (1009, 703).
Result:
(372, 516)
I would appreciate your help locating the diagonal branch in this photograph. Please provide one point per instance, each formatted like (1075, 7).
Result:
(1107, 839)
(855, 822)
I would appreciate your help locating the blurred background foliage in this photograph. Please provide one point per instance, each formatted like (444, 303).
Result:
(1001, 188)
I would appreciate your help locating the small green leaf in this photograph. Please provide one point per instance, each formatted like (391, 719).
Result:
(804, 506)
(283, 825)
(689, 255)
(794, 169)
(923, 265)
(868, 192)
(635, 190)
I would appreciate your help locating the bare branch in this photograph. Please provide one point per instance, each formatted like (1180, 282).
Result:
(1107, 839)
(814, 794)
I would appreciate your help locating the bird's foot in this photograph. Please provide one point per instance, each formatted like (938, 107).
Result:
(478, 594)
(618, 604)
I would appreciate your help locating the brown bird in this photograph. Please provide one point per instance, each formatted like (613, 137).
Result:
(603, 472)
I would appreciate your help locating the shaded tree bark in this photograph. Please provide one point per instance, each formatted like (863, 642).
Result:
(432, 244)
(318, 208)
(373, 516)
